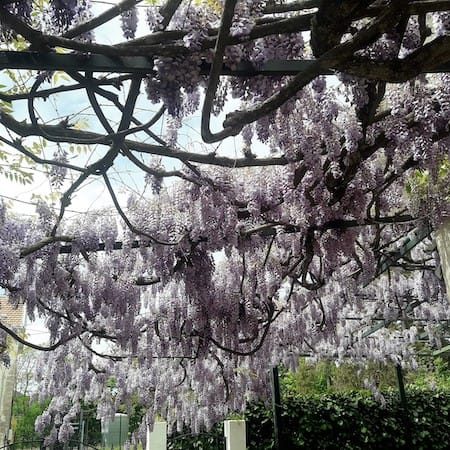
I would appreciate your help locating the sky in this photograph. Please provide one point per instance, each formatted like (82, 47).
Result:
(126, 177)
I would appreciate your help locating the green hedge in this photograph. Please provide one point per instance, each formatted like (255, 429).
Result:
(343, 421)
(354, 421)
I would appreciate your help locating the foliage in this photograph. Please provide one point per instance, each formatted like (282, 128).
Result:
(352, 421)
(135, 412)
(426, 184)
(13, 169)
(26, 411)
(355, 421)
(211, 440)
(326, 377)
(431, 373)
(92, 426)
(24, 414)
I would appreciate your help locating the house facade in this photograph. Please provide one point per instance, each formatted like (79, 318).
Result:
(12, 317)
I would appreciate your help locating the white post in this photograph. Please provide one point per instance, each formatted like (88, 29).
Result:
(443, 246)
(157, 439)
(234, 431)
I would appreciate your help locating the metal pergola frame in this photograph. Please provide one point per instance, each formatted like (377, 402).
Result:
(144, 65)
(415, 237)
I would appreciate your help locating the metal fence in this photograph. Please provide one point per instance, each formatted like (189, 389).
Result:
(187, 441)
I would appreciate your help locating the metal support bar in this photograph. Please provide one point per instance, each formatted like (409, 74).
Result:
(144, 65)
(442, 350)
(416, 237)
(401, 386)
(73, 61)
(134, 64)
(386, 323)
(81, 430)
(406, 421)
(276, 405)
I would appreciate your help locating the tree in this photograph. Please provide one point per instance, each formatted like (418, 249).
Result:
(25, 413)
(27, 361)
(313, 239)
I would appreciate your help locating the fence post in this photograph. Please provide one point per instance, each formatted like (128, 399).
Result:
(235, 434)
(81, 443)
(404, 402)
(157, 438)
(276, 405)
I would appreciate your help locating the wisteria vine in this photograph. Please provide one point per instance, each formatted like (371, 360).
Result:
(182, 300)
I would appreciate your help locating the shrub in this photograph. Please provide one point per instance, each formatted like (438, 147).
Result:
(354, 421)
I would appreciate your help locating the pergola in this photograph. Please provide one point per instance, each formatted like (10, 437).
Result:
(340, 35)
